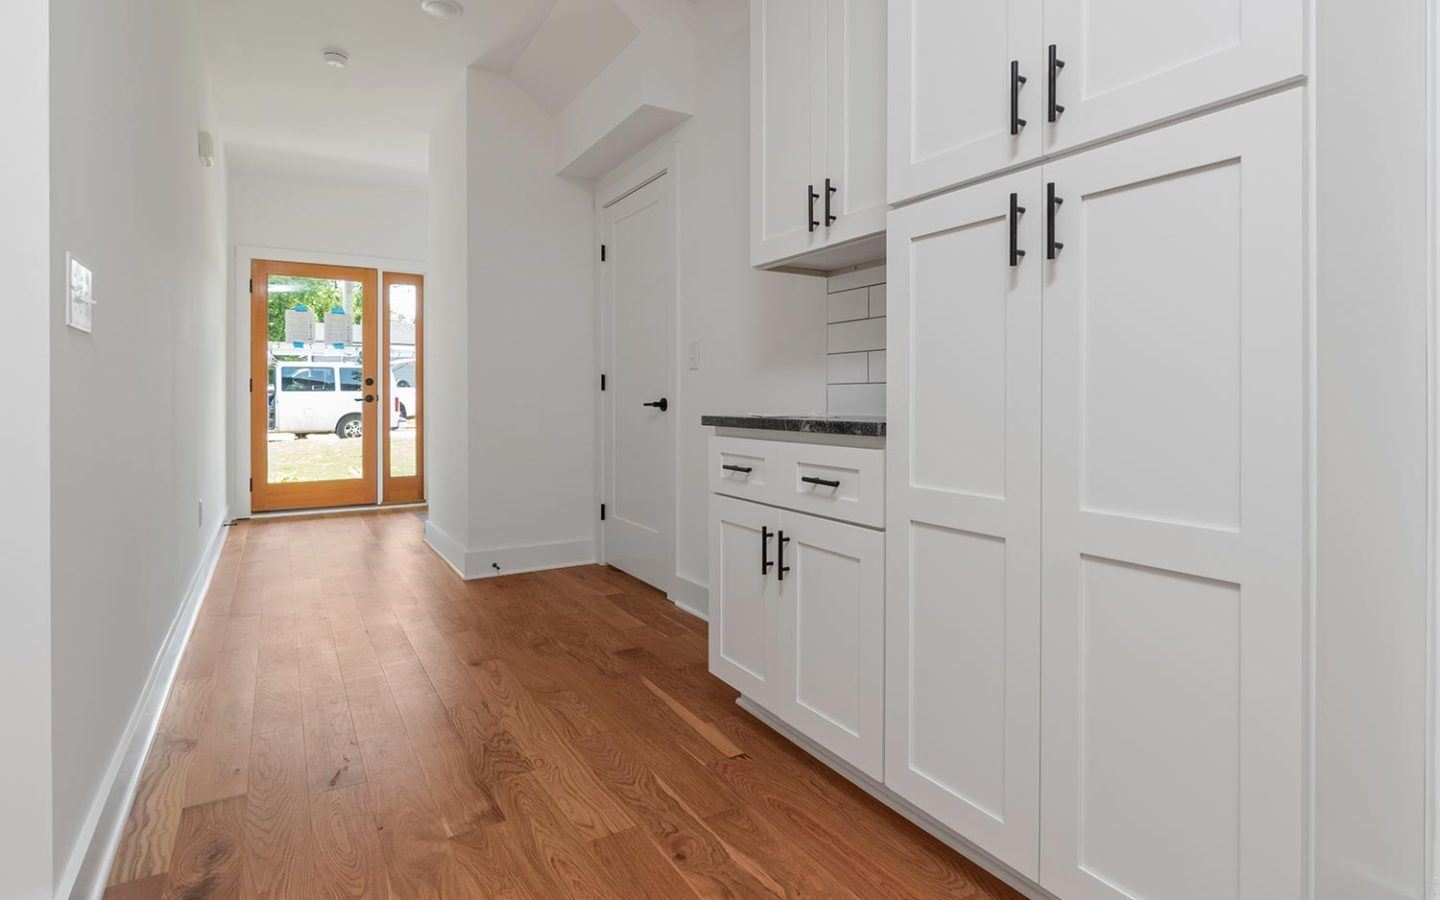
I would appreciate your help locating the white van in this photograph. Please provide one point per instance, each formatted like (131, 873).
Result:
(319, 397)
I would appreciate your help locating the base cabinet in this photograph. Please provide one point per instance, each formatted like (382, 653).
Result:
(797, 608)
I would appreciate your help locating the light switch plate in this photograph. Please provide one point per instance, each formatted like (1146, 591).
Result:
(80, 295)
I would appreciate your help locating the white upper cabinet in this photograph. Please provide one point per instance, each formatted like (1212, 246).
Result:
(1116, 66)
(1128, 63)
(963, 513)
(1173, 535)
(787, 125)
(967, 91)
(817, 125)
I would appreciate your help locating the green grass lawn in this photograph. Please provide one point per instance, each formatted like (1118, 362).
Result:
(325, 457)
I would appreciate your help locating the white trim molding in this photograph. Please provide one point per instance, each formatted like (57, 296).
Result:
(492, 562)
(691, 596)
(89, 866)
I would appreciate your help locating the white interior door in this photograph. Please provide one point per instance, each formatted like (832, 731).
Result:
(854, 120)
(952, 70)
(963, 513)
(637, 303)
(832, 635)
(745, 597)
(1131, 62)
(1173, 531)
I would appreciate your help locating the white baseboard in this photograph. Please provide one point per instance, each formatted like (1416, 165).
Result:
(89, 866)
(495, 561)
(691, 596)
(492, 562)
(902, 806)
(449, 549)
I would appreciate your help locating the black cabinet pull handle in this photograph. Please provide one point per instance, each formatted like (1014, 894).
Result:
(810, 479)
(662, 404)
(745, 469)
(810, 198)
(1016, 211)
(1056, 64)
(829, 192)
(1016, 80)
(765, 562)
(780, 574)
(1052, 203)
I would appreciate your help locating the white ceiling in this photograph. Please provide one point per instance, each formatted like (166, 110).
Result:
(281, 107)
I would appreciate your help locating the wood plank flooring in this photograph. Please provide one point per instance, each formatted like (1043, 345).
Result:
(351, 720)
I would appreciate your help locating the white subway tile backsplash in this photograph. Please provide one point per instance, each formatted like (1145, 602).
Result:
(849, 305)
(849, 368)
(855, 317)
(860, 278)
(877, 300)
(866, 334)
(857, 399)
(876, 365)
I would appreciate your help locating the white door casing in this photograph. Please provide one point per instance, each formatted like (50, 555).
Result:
(963, 514)
(637, 302)
(1173, 472)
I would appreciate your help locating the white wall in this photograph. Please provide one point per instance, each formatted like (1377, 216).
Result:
(1370, 125)
(447, 394)
(762, 334)
(528, 363)
(25, 826)
(137, 407)
(325, 215)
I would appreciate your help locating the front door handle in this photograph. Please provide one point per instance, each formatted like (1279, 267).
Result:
(662, 404)
(369, 398)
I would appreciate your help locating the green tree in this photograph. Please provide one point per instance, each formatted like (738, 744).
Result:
(317, 295)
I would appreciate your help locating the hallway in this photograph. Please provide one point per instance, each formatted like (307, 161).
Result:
(353, 720)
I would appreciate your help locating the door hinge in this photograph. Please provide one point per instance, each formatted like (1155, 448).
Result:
(602, 252)
(602, 381)
(252, 485)
(252, 285)
(602, 512)
(252, 385)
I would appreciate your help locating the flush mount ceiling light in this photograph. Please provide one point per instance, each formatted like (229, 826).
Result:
(335, 57)
(443, 9)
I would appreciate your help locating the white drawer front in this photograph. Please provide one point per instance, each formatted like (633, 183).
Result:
(743, 468)
(845, 483)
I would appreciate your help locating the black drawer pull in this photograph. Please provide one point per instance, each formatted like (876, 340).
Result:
(1016, 211)
(810, 198)
(765, 562)
(1052, 203)
(783, 568)
(810, 479)
(830, 190)
(745, 469)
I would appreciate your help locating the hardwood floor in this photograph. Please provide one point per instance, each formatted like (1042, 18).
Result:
(353, 720)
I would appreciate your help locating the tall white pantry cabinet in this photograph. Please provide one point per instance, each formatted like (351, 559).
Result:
(1098, 469)
(1096, 398)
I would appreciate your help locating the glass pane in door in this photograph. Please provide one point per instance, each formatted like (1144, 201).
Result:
(403, 308)
(316, 379)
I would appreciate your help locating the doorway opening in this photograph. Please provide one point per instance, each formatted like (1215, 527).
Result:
(336, 390)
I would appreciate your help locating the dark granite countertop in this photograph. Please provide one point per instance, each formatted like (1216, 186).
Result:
(867, 426)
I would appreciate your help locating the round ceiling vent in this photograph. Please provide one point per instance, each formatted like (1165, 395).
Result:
(442, 9)
(335, 57)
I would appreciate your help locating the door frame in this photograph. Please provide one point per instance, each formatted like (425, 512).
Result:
(311, 494)
(238, 350)
(660, 165)
(403, 488)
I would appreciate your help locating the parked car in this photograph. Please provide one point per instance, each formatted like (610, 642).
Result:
(318, 397)
(403, 387)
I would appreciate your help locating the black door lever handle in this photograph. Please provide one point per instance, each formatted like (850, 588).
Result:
(662, 404)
